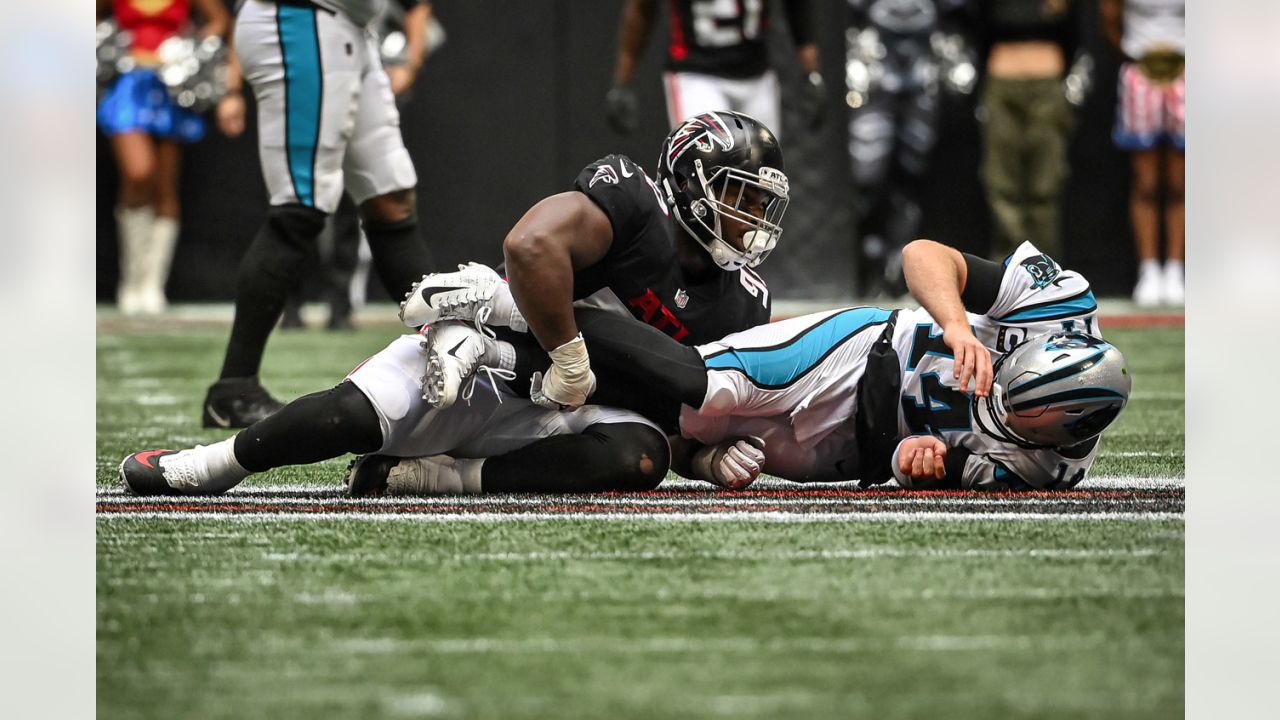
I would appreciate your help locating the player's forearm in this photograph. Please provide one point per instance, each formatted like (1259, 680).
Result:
(540, 273)
(936, 276)
(415, 35)
(637, 23)
(682, 451)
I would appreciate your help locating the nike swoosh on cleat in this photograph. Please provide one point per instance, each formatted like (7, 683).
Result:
(222, 421)
(145, 457)
(427, 292)
(454, 350)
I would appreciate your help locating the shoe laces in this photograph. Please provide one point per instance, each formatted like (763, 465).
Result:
(491, 372)
(482, 317)
(178, 470)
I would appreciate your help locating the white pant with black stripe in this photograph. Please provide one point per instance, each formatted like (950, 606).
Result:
(326, 115)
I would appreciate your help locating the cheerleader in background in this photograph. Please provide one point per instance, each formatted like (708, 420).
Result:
(147, 130)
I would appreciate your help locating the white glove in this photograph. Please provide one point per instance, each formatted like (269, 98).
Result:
(732, 464)
(568, 382)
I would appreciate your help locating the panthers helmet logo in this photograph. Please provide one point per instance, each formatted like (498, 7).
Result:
(699, 132)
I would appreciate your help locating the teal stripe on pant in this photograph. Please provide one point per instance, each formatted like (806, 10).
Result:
(781, 365)
(304, 90)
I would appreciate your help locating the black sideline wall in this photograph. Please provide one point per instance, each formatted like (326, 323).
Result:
(511, 108)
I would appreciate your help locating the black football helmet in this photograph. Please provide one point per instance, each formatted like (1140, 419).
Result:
(725, 165)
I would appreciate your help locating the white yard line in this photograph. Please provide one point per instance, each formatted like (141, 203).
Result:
(625, 501)
(740, 644)
(764, 517)
(106, 493)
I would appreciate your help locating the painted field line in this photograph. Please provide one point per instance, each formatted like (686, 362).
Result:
(763, 517)
(1119, 482)
(862, 554)
(681, 645)
(639, 501)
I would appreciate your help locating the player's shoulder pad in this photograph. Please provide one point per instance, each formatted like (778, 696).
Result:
(1035, 289)
(622, 189)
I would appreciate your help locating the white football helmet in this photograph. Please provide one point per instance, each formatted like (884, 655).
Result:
(1055, 390)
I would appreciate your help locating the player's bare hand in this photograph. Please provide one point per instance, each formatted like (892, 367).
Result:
(921, 457)
(972, 359)
(230, 113)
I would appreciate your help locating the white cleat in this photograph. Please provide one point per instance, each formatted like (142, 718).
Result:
(454, 351)
(434, 475)
(450, 296)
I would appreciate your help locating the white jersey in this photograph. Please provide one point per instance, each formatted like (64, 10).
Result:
(1154, 24)
(1036, 296)
(794, 383)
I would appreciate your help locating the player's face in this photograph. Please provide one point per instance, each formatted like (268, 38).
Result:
(750, 201)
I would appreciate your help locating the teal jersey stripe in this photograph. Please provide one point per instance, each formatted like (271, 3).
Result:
(1079, 305)
(303, 92)
(781, 365)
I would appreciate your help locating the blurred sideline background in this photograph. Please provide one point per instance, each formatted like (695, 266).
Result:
(512, 107)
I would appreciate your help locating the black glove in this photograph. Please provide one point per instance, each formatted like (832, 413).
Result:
(622, 108)
(813, 101)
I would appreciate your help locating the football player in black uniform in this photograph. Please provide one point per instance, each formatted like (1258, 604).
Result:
(674, 253)
(717, 59)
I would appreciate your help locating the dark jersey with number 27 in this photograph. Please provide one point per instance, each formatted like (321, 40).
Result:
(641, 268)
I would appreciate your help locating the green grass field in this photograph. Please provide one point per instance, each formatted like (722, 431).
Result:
(1042, 614)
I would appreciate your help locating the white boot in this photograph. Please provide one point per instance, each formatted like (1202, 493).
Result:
(1172, 290)
(1147, 292)
(135, 226)
(156, 263)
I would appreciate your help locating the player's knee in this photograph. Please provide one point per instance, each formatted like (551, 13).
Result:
(392, 210)
(347, 413)
(295, 224)
(1174, 194)
(640, 453)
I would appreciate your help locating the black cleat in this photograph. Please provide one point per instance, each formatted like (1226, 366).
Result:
(367, 475)
(237, 403)
(141, 473)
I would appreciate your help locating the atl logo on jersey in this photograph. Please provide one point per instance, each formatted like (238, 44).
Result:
(649, 308)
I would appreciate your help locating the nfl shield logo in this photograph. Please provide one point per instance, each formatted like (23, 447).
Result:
(682, 299)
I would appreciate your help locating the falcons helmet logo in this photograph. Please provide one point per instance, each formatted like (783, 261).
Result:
(699, 132)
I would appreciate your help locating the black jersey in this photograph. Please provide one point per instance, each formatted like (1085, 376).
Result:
(726, 37)
(642, 270)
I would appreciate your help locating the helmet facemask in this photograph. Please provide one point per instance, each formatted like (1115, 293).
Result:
(756, 201)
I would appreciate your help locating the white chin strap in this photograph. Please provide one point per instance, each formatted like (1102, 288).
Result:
(724, 256)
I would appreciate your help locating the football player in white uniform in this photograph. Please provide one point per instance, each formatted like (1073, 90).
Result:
(327, 123)
(808, 386)
(874, 394)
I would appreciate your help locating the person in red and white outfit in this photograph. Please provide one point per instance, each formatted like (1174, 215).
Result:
(1151, 124)
(147, 130)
